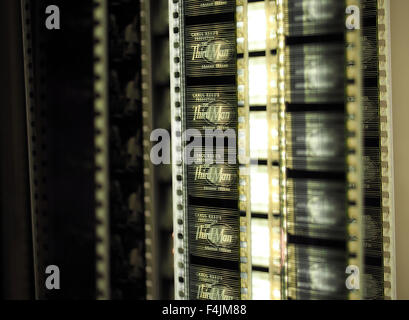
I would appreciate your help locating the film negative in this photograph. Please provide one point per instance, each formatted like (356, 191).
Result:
(214, 233)
(208, 283)
(313, 17)
(315, 73)
(211, 50)
(316, 272)
(315, 141)
(204, 7)
(316, 208)
(211, 108)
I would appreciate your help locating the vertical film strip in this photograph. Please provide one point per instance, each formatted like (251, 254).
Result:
(179, 190)
(31, 133)
(385, 104)
(243, 142)
(129, 260)
(209, 81)
(313, 125)
(150, 228)
(157, 178)
(354, 147)
(60, 128)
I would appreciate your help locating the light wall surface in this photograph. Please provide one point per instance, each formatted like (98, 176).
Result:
(400, 110)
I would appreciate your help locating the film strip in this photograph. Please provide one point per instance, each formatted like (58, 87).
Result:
(281, 87)
(244, 149)
(386, 148)
(62, 154)
(128, 226)
(272, 112)
(372, 216)
(38, 223)
(311, 84)
(203, 52)
(354, 151)
(180, 247)
(157, 176)
(149, 198)
(100, 12)
(210, 53)
(260, 125)
(378, 270)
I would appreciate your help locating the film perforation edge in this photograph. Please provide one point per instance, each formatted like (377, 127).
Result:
(354, 148)
(101, 150)
(180, 248)
(38, 225)
(149, 200)
(384, 82)
(244, 149)
(282, 8)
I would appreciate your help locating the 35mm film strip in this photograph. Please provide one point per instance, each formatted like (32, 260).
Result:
(181, 262)
(203, 51)
(384, 54)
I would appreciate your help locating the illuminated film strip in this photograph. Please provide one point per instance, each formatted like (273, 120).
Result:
(312, 154)
(261, 124)
(314, 242)
(181, 278)
(203, 42)
(354, 150)
(244, 149)
(385, 101)
(377, 162)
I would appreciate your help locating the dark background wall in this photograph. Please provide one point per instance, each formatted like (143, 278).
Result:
(400, 109)
(16, 252)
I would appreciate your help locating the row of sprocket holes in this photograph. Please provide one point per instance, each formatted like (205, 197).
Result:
(146, 148)
(351, 151)
(386, 153)
(387, 194)
(36, 183)
(178, 134)
(98, 150)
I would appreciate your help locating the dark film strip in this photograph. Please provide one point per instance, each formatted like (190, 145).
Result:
(59, 83)
(209, 87)
(315, 154)
(127, 232)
